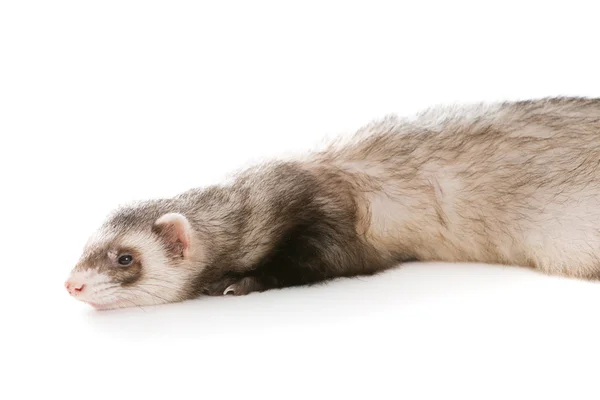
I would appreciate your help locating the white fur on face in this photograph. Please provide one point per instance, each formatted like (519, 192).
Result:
(161, 281)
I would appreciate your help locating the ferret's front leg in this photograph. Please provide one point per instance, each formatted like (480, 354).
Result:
(245, 286)
(239, 284)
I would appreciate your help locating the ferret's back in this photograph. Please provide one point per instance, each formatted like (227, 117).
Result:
(514, 182)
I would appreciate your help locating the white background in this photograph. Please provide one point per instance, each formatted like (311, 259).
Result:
(106, 102)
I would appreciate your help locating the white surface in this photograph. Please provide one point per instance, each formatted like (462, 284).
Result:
(106, 102)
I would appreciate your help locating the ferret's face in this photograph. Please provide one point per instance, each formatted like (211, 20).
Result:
(133, 268)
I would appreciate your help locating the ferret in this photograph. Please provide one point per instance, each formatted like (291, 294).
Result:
(511, 183)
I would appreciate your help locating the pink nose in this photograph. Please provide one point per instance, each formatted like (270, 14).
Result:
(74, 288)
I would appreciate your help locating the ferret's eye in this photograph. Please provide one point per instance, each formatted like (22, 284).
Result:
(125, 260)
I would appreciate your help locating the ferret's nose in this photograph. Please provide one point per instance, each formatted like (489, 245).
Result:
(74, 287)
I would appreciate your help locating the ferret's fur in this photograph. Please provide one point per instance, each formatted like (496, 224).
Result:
(514, 183)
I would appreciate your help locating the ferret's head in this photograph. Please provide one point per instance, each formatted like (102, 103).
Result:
(136, 259)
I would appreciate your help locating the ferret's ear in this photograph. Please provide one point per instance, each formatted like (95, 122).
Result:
(176, 231)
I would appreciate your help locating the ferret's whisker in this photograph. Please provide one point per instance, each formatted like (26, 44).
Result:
(153, 295)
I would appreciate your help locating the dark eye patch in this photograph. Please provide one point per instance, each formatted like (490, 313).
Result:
(125, 260)
(127, 267)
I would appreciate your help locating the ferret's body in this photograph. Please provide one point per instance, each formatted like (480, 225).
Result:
(509, 183)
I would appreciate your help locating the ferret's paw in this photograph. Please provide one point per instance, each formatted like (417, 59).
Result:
(231, 289)
(243, 287)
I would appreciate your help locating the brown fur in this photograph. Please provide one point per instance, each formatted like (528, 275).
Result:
(512, 183)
